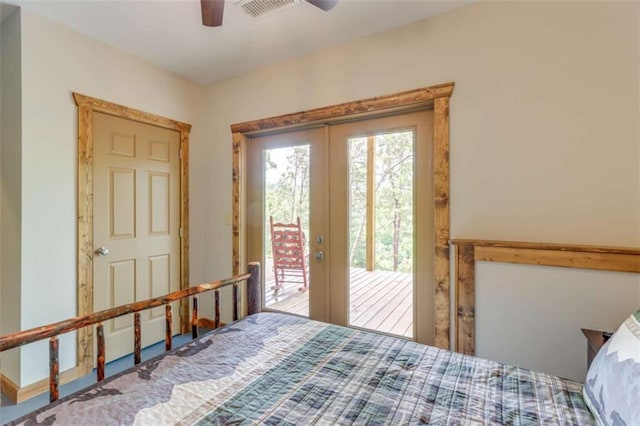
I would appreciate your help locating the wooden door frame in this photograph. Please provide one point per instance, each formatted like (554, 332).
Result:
(433, 97)
(86, 108)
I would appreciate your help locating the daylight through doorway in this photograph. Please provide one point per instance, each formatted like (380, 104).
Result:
(380, 229)
(286, 227)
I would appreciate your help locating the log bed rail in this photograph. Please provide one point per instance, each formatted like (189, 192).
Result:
(52, 331)
(468, 251)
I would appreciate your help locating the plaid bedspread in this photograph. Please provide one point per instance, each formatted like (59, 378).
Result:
(278, 369)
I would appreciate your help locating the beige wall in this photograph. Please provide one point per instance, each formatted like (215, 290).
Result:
(532, 315)
(544, 146)
(10, 196)
(544, 137)
(57, 61)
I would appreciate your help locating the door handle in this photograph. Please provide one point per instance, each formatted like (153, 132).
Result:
(319, 256)
(102, 251)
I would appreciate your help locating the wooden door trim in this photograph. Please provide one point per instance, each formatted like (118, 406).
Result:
(86, 108)
(401, 101)
(436, 97)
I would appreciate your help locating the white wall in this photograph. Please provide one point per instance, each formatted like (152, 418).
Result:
(10, 196)
(57, 61)
(544, 132)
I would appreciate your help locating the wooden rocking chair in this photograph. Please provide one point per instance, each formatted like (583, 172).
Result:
(289, 262)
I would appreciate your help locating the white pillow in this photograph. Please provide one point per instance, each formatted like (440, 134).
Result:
(612, 388)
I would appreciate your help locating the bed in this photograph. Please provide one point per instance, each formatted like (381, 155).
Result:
(274, 368)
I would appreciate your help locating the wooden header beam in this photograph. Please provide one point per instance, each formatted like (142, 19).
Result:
(602, 258)
(130, 113)
(403, 100)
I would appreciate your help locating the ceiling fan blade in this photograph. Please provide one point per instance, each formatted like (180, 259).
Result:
(324, 4)
(212, 12)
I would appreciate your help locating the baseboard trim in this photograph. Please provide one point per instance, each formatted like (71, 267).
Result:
(19, 394)
(9, 388)
(208, 323)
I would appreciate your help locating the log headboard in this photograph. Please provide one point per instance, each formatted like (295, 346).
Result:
(604, 258)
(52, 331)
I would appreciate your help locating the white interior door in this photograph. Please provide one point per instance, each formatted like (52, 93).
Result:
(136, 225)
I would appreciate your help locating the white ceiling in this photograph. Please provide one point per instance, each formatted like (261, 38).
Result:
(169, 33)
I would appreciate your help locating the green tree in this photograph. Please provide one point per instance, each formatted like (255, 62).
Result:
(287, 196)
(286, 187)
(393, 201)
(358, 200)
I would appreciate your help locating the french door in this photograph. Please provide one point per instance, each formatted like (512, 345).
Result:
(287, 184)
(363, 191)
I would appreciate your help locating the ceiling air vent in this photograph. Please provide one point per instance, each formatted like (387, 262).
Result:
(258, 8)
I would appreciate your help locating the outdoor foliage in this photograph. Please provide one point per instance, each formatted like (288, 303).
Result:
(287, 197)
(393, 201)
(286, 187)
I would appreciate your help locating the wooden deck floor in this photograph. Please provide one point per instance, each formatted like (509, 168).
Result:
(380, 300)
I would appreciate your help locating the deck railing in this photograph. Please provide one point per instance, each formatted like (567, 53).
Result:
(52, 331)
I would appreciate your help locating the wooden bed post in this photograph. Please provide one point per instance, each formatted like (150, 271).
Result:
(54, 369)
(236, 302)
(168, 318)
(216, 321)
(137, 339)
(253, 289)
(101, 352)
(194, 317)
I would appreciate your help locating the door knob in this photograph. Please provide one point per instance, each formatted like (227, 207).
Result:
(319, 255)
(102, 251)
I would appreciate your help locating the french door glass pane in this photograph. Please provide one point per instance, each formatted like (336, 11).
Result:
(286, 227)
(381, 243)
